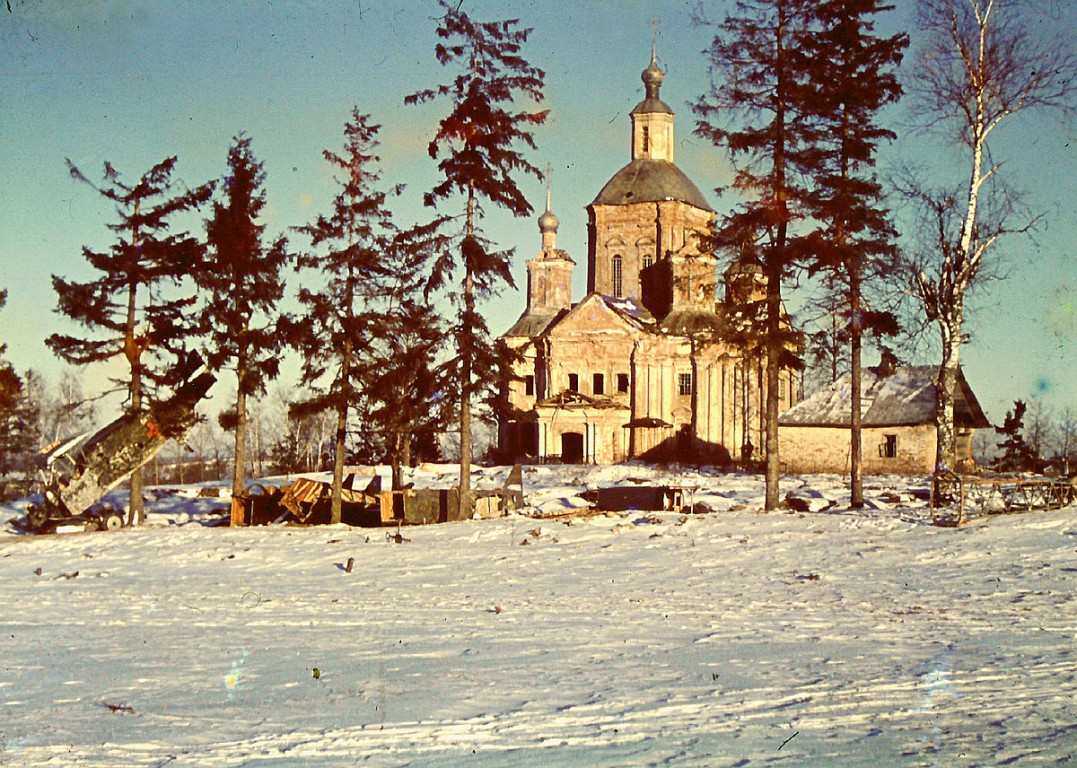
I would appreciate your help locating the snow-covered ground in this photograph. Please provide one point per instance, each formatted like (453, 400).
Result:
(731, 638)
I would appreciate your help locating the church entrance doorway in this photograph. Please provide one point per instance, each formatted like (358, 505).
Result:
(572, 447)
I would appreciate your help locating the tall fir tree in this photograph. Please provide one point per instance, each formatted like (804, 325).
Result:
(403, 386)
(852, 72)
(129, 310)
(242, 283)
(478, 146)
(351, 251)
(758, 108)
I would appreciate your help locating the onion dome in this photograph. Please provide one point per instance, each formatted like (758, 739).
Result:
(547, 222)
(652, 78)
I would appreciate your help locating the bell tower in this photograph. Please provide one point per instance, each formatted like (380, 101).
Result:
(652, 119)
(549, 275)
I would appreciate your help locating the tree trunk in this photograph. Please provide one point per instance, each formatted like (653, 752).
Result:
(694, 442)
(773, 271)
(336, 505)
(856, 436)
(945, 387)
(464, 505)
(239, 470)
(136, 513)
(396, 456)
(774, 351)
(341, 428)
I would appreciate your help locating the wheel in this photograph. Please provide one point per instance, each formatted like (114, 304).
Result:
(111, 522)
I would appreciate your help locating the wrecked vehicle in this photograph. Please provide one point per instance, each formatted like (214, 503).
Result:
(78, 472)
(307, 501)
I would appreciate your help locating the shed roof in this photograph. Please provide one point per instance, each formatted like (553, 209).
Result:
(904, 398)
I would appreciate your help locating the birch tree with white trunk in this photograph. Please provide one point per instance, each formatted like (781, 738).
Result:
(981, 64)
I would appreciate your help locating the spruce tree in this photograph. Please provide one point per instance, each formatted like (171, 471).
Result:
(758, 109)
(478, 149)
(242, 283)
(1016, 454)
(129, 310)
(852, 72)
(351, 248)
(403, 386)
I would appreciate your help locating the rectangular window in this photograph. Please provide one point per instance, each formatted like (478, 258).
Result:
(781, 389)
(618, 276)
(646, 139)
(598, 384)
(529, 386)
(574, 382)
(684, 384)
(888, 449)
(622, 383)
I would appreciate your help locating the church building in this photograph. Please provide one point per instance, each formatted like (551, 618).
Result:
(646, 365)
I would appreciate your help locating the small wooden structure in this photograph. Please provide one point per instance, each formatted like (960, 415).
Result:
(307, 502)
(956, 498)
(662, 498)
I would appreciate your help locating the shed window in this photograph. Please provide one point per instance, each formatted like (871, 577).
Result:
(618, 276)
(622, 383)
(598, 384)
(684, 384)
(574, 382)
(888, 449)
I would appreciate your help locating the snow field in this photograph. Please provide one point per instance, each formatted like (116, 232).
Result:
(733, 638)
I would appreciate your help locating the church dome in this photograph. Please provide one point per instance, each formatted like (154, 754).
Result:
(652, 78)
(547, 222)
(648, 181)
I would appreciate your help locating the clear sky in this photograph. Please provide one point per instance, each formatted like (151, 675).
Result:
(135, 81)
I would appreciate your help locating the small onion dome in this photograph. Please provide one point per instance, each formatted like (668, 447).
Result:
(652, 79)
(548, 222)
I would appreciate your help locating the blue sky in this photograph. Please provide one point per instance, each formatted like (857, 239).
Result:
(135, 81)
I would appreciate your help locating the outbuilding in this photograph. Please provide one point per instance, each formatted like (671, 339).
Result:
(898, 423)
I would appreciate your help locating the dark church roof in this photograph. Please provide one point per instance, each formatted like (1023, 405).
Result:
(691, 322)
(648, 181)
(650, 105)
(906, 397)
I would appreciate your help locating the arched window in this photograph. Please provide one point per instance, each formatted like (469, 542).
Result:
(618, 276)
